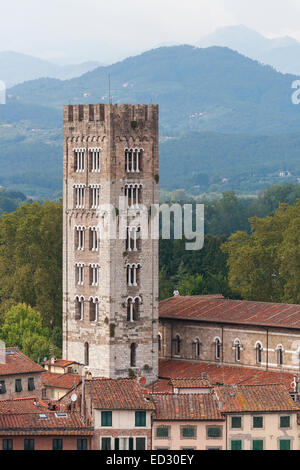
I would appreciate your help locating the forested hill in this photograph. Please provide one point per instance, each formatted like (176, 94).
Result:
(222, 117)
(202, 89)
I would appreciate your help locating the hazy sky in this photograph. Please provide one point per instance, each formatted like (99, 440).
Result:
(112, 29)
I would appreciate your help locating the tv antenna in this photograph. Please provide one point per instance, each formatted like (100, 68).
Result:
(109, 97)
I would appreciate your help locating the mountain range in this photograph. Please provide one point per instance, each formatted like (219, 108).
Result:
(282, 53)
(226, 121)
(17, 68)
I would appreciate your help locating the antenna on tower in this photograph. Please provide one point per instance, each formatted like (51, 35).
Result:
(109, 97)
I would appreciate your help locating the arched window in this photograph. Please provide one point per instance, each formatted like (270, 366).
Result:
(237, 346)
(79, 308)
(86, 354)
(197, 348)
(259, 349)
(177, 345)
(133, 355)
(133, 309)
(217, 349)
(94, 305)
(279, 355)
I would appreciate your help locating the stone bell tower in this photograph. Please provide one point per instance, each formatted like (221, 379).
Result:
(110, 284)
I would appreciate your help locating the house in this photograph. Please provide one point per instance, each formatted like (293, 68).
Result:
(259, 417)
(19, 375)
(61, 366)
(56, 385)
(187, 422)
(28, 424)
(120, 410)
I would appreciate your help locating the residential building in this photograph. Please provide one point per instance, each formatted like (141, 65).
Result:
(120, 410)
(28, 424)
(61, 366)
(56, 386)
(259, 417)
(187, 422)
(19, 375)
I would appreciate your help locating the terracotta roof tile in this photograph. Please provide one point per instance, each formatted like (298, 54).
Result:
(217, 309)
(67, 381)
(243, 398)
(219, 375)
(194, 382)
(186, 407)
(42, 423)
(15, 362)
(109, 394)
(22, 405)
(59, 363)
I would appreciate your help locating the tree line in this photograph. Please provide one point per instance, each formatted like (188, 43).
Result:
(245, 255)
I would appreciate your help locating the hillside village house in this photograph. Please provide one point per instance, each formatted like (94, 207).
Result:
(19, 375)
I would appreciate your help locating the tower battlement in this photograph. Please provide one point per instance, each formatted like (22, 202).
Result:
(101, 112)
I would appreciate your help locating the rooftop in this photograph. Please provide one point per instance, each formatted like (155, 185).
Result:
(22, 405)
(216, 309)
(66, 381)
(217, 374)
(59, 362)
(253, 398)
(17, 363)
(43, 422)
(186, 407)
(116, 394)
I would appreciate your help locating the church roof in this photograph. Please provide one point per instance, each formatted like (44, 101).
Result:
(216, 309)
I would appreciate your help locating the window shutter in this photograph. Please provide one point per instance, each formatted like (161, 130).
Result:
(131, 443)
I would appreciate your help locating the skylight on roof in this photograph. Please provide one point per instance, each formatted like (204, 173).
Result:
(43, 416)
(61, 415)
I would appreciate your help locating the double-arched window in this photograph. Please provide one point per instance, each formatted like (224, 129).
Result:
(133, 308)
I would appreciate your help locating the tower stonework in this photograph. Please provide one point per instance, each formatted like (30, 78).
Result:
(110, 284)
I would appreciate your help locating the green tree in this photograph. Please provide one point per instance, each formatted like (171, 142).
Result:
(265, 265)
(31, 260)
(23, 328)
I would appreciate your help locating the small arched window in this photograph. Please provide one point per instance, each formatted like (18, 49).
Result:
(279, 355)
(177, 345)
(133, 355)
(86, 354)
(237, 345)
(218, 349)
(79, 308)
(259, 349)
(197, 348)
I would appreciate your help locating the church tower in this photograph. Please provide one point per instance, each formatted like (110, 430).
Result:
(110, 283)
